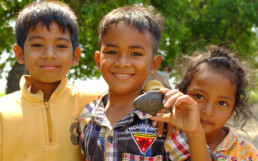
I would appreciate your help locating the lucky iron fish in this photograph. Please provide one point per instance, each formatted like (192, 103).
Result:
(150, 102)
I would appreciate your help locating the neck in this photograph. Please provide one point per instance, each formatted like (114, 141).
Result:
(46, 88)
(215, 138)
(118, 101)
(119, 105)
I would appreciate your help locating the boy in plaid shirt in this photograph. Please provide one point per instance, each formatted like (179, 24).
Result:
(111, 129)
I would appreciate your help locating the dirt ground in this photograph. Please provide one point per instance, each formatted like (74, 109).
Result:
(251, 128)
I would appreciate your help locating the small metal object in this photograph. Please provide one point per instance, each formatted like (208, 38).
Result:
(110, 139)
(150, 102)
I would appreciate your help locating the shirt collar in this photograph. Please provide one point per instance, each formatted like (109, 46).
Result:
(25, 82)
(98, 113)
(227, 141)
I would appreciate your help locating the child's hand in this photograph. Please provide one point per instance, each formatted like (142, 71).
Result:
(185, 114)
(160, 127)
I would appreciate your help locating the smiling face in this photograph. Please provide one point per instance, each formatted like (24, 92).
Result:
(215, 95)
(126, 58)
(48, 54)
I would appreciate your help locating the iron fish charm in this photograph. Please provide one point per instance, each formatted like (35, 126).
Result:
(150, 102)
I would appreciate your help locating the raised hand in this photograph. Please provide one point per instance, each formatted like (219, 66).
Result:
(184, 114)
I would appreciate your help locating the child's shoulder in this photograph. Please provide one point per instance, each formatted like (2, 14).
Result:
(9, 98)
(85, 91)
(10, 103)
(238, 146)
(244, 144)
(98, 100)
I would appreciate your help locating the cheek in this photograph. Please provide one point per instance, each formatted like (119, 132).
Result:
(226, 114)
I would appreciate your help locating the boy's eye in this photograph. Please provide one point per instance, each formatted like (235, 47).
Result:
(223, 103)
(136, 54)
(36, 45)
(61, 46)
(111, 52)
(199, 96)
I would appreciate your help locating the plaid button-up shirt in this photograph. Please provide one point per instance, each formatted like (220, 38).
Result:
(132, 138)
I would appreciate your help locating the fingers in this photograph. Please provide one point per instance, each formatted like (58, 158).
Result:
(176, 98)
(169, 131)
(154, 123)
(176, 131)
(170, 96)
(160, 129)
(160, 124)
(163, 118)
(187, 102)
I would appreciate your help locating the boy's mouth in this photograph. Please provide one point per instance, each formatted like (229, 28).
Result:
(122, 76)
(49, 67)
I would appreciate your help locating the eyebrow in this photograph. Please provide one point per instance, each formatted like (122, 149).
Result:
(40, 37)
(224, 97)
(198, 89)
(133, 46)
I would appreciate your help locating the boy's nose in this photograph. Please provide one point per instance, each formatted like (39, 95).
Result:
(122, 61)
(49, 53)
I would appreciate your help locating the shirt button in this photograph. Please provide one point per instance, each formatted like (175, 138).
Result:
(110, 139)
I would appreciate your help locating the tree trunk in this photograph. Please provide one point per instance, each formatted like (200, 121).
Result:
(14, 77)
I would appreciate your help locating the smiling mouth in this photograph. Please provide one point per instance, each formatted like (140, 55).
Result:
(122, 76)
(46, 67)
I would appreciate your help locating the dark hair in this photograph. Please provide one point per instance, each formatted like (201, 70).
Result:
(141, 17)
(223, 60)
(46, 12)
(168, 67)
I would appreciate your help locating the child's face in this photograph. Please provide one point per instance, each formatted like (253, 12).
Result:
(126, 58)
(215, 95)
(47, 54)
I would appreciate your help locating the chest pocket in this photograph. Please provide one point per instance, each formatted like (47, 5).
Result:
(131, 157)
(139, 141)
(91, 142)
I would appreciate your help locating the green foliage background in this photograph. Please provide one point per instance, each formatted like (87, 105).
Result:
(189, 25)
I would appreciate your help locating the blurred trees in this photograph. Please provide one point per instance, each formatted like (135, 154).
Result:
(189, 24)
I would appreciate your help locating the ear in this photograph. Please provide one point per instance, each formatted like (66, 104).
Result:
(18, 54)
(76, 56)
(97, 59)
(155, 64)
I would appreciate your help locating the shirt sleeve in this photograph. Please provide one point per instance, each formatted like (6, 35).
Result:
(177, 147)
(253, 153)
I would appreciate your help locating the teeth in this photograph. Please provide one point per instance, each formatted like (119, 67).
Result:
(123, 76)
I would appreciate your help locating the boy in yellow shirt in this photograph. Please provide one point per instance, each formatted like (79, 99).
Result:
(39, 122)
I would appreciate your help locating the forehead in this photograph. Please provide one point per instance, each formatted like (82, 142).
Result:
(48, 31)
(127, 33)
(122, 26)
(213, 81)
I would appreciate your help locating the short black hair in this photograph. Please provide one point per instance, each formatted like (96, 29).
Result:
(46, 12)
(143, 18)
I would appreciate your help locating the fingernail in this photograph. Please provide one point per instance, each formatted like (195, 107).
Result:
(163, 101)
